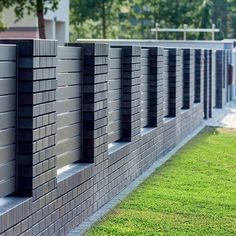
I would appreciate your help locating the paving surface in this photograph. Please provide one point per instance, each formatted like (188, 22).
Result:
(222, 117)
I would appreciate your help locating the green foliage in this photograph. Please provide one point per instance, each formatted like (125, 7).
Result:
(192, 194)
(135, 18)
(95, 18)
(36, 7)
(205, 16)
(29, 6)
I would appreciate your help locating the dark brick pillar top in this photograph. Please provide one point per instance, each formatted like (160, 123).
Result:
(188, 78)
(210, 83)
(175, 74)
(156, 86)
(131, 73)
(36, 116)
(95, 95)
(206, 84)
(219, 78)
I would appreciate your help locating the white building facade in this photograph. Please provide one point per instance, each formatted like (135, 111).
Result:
(56, 24)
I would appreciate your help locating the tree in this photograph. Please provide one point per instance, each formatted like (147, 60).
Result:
(205, 16)
(2, 26)
(95, 18)
(144, 14)
(135, 18)
(230, 24)
(37, 7)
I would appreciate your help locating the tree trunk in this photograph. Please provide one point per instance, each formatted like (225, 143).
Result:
(40, 16)
(104, 33)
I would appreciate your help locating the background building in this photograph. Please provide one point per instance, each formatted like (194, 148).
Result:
(56, 24)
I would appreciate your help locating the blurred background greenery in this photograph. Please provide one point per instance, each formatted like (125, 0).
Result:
(128, 19)
(134, 19)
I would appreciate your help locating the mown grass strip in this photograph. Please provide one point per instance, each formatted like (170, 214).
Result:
(192, 194)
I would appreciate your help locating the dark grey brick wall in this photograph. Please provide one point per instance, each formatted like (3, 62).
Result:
(206, 85)
(219, 79)
(8, 111)
(144, 87)
(210, 83)
(228, 56)
(213, 78)
(114, 95)
(166, 84)
(131, 73)
(83, 110)
(188, 78)
(198, 75)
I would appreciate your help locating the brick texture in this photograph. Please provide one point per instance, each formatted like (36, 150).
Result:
(178, 94)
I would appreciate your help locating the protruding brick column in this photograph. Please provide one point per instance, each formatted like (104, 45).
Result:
(131, 73)
(198, 75)
(206, 84)
(36, 116)
(188, 78)
(175, 85)
(219, 78)
(210, 83)
(94, 108)
(156, 87)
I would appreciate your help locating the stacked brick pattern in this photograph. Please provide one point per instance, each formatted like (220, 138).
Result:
(179, 76)
(228, 82)
(8, 106)
(144, 87)
(95, 113)
(156, 87)
(198, 72)
(94, 100)
(206, 85)
(36, 161)
(131, 72)
(36, 115)
(219, 79)
(188, 76)
(175, 77)
(49, 204)
(114, 95)
(210, 106)
(174, 99)
(213, 78)
(188, 91)
(166, 84)
(152, 137)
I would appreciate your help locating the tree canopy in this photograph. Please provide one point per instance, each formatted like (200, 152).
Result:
(36, 7)
(135, 18)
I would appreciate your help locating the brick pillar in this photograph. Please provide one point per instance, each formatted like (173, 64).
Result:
(219, 78)
(95, 116)
(210, 83)
(175, 81)
(197, 69)
(156, 87)
(206, 84)
(188, 78)
(131, 75)
(202, 77)
(36, 116)
(192, 76)
(95, 94)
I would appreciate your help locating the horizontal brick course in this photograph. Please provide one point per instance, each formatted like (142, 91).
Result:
(110, 112)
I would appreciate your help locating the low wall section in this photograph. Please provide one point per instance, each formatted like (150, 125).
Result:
(80, 123)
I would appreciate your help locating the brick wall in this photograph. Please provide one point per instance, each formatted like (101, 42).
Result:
(105, 114)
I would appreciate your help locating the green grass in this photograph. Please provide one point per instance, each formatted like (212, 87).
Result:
(192, 194)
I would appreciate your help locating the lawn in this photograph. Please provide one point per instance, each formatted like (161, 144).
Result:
(192, 194)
